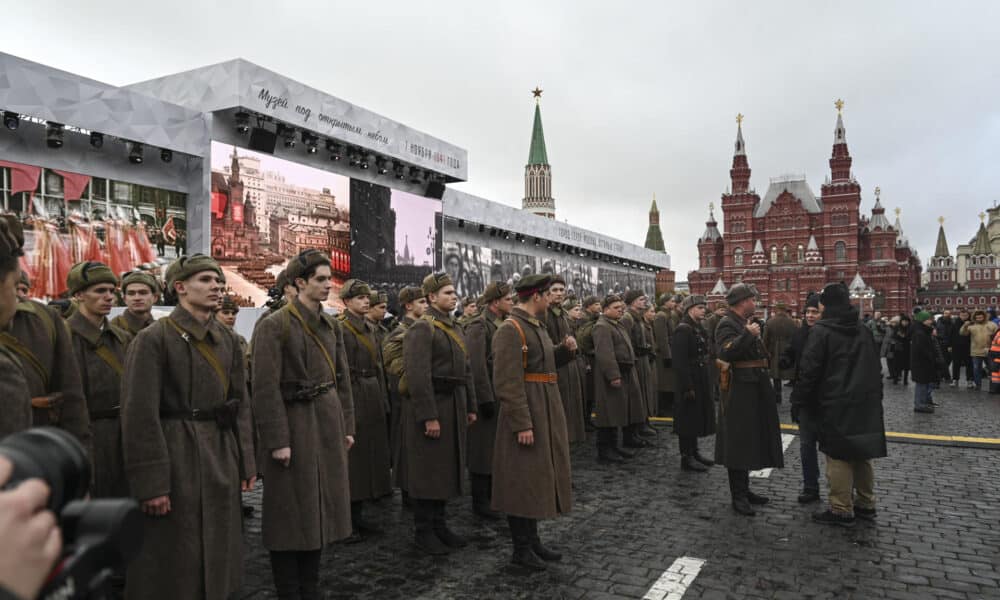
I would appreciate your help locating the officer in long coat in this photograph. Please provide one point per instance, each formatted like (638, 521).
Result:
(185, 423)
(370, 459)
(479, 331)
(618, 396)
(778, 332)
(591, 313)
(436, 414)
(570, 380)
(663, 329)
(140, 292)
(15, 402)
(305, 415)
(642, 344)
(413, 303)
(694, 409)
(748, 434)
(100, 349)
(531, 463)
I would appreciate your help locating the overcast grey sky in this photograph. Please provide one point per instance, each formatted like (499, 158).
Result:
(640, 97)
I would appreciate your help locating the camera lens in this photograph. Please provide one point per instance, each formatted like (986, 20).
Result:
(52, 455)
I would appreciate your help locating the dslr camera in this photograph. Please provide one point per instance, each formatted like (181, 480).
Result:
(99, 536)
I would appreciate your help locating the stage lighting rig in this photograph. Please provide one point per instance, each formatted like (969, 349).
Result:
(242, 123)
(135, 153)
(11, 120)
(336, 150)
(54, 134)
(288, 134)
(166, 155)
(96, 139)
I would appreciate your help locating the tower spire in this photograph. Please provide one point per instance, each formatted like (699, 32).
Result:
(840, 160)
(654, 237)
(941, 249)
(538, 173)
(740, 173)
(537, 154)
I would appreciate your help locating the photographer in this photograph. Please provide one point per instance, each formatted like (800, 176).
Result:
(32, 541)
(15, 402)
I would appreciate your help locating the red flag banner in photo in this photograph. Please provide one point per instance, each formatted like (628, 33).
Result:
(74, 184)
(169, 231)
(219, 201)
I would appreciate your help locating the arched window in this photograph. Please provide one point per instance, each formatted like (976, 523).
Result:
(958, 300)
(975, 275)
(801, 253)
(937, 301)
(840, 251)
(738, 257)
(774, 255)
(935, 277)
(947, 301)
(878, 253)
(982, 300)
(708, 260)
(785, 257)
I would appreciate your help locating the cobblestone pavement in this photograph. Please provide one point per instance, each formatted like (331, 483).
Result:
(937, 533)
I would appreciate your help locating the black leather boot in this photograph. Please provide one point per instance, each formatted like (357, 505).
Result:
(447, 536)
(285, 569)
(358, 521)
(606, 454)
(738, 491)
(688, 463)
(423, 520)
(482, 488)
(546, 554)
(524, 556)
(632, 439)
(309, 574)
(696, 454)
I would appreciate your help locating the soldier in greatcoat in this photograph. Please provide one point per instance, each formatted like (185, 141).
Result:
(441, 405)
(378, 305)
(497, 304)
(591, 312)
(570, 381)
(618, 396)
(778, 332)
(531, 463)
(40, 339)
(370, 459)
(15, 402)
(748, 434)
(663, 330)
(185, 425)
(694, 408)
(140, 292)
(100, 348)
(642, 344)
(414, 304)
(305, 416)
(649, 315)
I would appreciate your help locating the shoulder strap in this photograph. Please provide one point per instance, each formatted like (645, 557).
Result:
(109, 357)
(362, 338)
(326, 355)
(448, 331)
(44, 315)
(524, 342)
(205, 350)
(12, 343)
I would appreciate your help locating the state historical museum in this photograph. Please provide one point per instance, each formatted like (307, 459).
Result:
(792, 242)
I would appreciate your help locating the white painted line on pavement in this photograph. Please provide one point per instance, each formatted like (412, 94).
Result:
(675, 580)
(786, 441)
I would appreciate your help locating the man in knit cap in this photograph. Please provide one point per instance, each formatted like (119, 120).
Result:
(140, 292)
(479, 331)
(370, 459)
(305, 415)
(15, 401)
(185, 425)
(436, 415)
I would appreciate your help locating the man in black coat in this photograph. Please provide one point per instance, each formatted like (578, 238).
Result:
(748, 435)
(839, 391)
(807, 434)
(925, 362)
(694, 408)
(961, 350)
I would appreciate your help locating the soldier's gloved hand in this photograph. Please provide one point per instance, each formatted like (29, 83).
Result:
(795, 413)
(488, 410)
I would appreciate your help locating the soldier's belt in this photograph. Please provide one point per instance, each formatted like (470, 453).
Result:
(292, 393)
(195, 414)
(541, 378)
(750, 364)
(446, 384)
(625, 367)
(109, 413)
(224, 415)
(50, 401)
(363, 373)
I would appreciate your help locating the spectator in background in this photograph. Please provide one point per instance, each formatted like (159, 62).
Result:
(877, 326)
(889, 349)
(925, 362)
(959, 347)
(980, 332)
(901, 350)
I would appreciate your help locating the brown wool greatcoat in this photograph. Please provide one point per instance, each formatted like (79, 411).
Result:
(131, 323)
(570, 378)
(102, 387)
(370, 459)
(529, 481)
(614, 359)
(195, 551)
(642, 345)
(748, 435)
(662, 332)
(307, 504)
(434, 467)
(778, 334)
(56, 358)
(651, 400)
(392, 355)
(15, 402)
(479, 332)
(693, 416)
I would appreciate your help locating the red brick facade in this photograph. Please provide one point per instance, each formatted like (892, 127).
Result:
(791, 242)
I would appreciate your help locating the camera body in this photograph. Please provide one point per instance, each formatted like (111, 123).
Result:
(99, 536)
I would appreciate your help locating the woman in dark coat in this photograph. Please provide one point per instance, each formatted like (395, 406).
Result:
(694, 411)
(901, 350)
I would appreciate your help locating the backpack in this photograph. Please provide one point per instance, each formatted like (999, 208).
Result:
(585, 337)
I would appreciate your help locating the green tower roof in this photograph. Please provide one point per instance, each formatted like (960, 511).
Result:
(982, 247)
(942, 244)
(537, 154)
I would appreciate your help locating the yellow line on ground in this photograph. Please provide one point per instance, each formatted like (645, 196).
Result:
(889, 434)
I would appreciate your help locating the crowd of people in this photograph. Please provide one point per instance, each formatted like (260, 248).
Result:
(333, 412)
